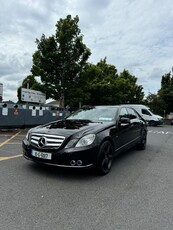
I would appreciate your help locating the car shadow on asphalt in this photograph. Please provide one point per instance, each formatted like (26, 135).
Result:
(58, 172)
(78, 174)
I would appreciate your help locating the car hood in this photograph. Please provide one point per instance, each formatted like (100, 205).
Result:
(159, 117)
(77, 128)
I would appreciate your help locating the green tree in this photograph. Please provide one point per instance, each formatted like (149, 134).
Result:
(155, 103)
(107, 87)
(166, 92)
(128, 88)
(101, 77)
(60, 59)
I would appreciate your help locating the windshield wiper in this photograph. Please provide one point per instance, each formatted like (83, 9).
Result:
(84, 120)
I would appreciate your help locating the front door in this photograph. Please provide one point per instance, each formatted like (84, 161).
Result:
(124, 131)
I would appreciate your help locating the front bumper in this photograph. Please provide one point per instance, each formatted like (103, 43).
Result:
(72, 158)
(160, 122)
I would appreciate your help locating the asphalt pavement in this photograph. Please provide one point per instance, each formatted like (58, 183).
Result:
(136, 195)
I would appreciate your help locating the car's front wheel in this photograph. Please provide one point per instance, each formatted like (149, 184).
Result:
(105, 158)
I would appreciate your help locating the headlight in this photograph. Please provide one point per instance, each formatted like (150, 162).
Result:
(71, 143)
(86, 140)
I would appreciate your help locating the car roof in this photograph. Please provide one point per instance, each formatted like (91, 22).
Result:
(110, 106)
(102, 107)
(106, 106)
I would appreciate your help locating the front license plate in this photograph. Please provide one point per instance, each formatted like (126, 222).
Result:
(42, 155)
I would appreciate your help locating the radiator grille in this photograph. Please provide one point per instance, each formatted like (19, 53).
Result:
(46, 140)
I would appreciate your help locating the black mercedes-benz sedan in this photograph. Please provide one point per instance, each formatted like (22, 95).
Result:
(89, 137)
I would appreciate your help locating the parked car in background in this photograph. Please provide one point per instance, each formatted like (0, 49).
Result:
(151, 118)
(89, 137)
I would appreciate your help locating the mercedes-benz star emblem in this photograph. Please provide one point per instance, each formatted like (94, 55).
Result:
(42, 142)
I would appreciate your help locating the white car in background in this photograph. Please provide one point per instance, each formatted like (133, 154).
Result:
(151, 118)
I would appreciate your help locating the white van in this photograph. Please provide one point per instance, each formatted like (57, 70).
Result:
(151, 118)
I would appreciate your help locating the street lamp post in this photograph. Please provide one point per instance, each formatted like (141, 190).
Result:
(27, 83)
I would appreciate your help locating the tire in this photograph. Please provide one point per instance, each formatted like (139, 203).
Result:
(152, 123)
(105, 158)
(142, 144)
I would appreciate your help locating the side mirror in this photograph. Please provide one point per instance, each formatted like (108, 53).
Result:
(124, 121)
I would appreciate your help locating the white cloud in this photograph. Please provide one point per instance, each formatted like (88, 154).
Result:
(132, 34)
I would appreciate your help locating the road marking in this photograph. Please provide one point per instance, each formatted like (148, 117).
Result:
(160, 132)
(5, 142)
(9, 135)
(7, 158)
(14, 143)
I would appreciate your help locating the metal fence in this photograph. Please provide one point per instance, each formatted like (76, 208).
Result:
(27, 115)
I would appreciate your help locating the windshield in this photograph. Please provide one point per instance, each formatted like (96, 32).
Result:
(94, 114)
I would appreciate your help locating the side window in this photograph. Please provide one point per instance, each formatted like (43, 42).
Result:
(132, 114)
(123, 112)
(146, 112)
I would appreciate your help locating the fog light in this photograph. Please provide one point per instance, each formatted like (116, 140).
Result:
(72, 162)
(79, 162)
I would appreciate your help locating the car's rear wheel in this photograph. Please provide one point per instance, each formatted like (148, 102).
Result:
(105, 158)
(142, 144)
(152, 123)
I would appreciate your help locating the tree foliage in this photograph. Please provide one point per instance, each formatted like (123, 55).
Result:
(155, 103)
(101, 79)
(107, 87)
(166, 92)
(133, 93)
(61, 62)
(162, 102)
(60, 59)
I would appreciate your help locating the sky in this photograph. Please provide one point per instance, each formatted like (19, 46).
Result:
(136, 35)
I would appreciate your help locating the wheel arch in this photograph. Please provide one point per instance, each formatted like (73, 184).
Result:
(110, 140)
(152, 123)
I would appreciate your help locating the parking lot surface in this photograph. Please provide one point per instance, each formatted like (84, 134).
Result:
(136, 194)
